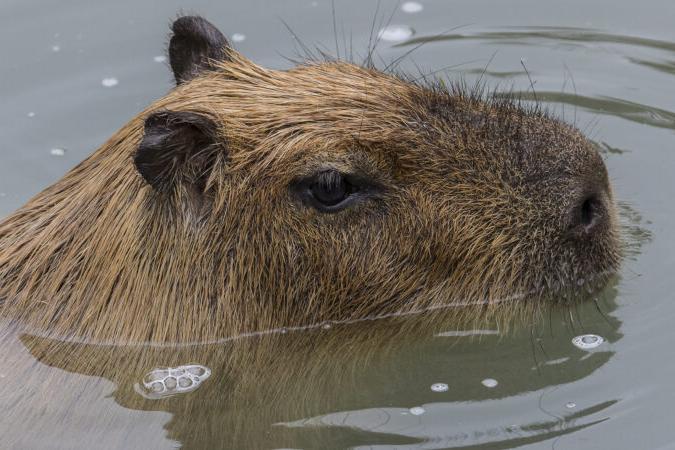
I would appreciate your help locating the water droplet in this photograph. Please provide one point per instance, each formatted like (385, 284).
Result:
(411, 7)
(109, 82)
(56, 48)
(490, 382)
(588, 341)
(570, 405)
(31, 114)
(327, 326)
(580, 281)
(238, 37)
(159, 58)
(417, 410)
(395, 33)
(57, 151)
(439, 387)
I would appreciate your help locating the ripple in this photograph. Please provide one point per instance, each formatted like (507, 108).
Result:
(662, 66)
(537, 35)
(610, 106)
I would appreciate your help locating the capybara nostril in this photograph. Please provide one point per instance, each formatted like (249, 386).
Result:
(587, 214)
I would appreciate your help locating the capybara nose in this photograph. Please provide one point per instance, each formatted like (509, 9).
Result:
(589, 212)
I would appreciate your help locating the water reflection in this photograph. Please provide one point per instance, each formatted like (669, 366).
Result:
(350, 385)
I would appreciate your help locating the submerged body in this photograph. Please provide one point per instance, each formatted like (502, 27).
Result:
(249, 199)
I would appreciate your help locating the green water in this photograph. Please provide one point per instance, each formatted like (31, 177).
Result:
(608, 66)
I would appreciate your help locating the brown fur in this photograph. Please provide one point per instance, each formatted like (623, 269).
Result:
(475, 201)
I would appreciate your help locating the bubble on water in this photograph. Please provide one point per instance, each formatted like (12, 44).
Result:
(159, 59)
(411, 7)
(238, 37)
(57, 151)
(588, 341)
(570, 405)
(395, 33)
(197, 370)
(109, 82)
(490, 382)
(170, 383)
(439, 387)
(31, 114)
(167, 381)
(417, 410)
(580, 282)
(56, 48)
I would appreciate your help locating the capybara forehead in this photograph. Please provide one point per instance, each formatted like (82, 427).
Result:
(334, 109)
(311, 107)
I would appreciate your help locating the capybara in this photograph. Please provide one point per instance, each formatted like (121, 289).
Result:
(248, 199)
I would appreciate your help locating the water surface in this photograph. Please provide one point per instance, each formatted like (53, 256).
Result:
(73, 72)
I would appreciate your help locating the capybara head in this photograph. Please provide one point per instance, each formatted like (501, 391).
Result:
(250, 198)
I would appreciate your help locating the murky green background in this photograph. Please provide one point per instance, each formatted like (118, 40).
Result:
(608, 65)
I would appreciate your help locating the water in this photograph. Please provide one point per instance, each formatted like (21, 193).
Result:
(608, 65)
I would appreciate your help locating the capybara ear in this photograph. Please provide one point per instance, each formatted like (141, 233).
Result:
(194, 46)
(177, 147)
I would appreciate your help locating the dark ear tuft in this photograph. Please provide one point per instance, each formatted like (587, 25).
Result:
(177, 147)
(195, 42)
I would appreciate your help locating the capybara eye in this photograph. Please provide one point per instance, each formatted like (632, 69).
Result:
(330, 188)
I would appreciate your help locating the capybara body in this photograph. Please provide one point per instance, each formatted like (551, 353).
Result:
(249, 199)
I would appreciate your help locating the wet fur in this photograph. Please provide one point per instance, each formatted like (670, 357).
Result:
(474, 196)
